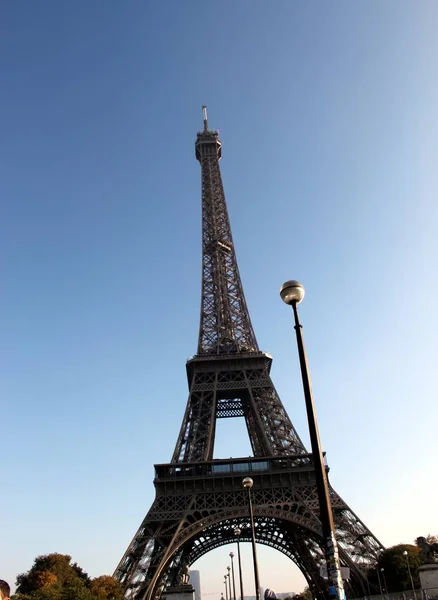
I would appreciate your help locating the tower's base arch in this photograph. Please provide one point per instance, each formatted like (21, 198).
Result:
(194, 513)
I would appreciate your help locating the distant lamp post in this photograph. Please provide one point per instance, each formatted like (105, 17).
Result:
(382, 570)
(232, 573)
(238, 533)
(292, 293)
(226, 588)
(405, 553)
(247, 484)
(380, 583)
(229, 582)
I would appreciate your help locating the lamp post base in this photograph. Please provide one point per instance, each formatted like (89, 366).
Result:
(336, 585)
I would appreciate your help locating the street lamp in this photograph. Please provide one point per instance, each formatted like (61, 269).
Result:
(232, 572)
(382, 570)
(226, 588)
(247, 484)
(292, 293)
(380, 583)
(229, 582)
(237, 533)
(405, 553)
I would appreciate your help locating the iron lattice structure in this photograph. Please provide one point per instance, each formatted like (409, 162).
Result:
(199, 501)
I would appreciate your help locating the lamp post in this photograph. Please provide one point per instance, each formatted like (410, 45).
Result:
(247, 484)
(229, 583)
(292, 293)
(237, 533)
(232, 573)
(405, 553)
(382, 570)
(380, 583)
(226, 588)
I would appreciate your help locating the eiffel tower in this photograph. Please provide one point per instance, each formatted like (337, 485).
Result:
(200, 500)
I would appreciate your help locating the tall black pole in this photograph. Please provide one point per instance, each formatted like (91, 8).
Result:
(232, 572)
(248, 483)
(382, 570)
(380, 583)
(237, 533)
(226, 589)
(229, 583)
(292, 292)
(410, 574)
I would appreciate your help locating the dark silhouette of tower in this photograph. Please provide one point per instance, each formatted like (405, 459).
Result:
(199, 501)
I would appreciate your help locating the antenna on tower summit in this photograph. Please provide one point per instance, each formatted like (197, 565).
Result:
(204, 113)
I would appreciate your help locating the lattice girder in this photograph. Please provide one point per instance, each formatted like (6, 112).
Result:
(225, 324)
(190, 511)
(270, 531)
(246, 382)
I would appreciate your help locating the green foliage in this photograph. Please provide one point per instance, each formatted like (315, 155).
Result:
(50, 575)
(395, 566)
(306, 594)
(53, 577)
(106, 588)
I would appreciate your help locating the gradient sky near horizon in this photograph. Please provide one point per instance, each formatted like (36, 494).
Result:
(328, 118)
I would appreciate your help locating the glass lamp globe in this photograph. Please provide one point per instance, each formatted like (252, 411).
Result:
(292, 292)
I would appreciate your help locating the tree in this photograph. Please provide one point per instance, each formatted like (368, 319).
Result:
(395, 566)
(306, 593)
(106, 588)
(53, 577)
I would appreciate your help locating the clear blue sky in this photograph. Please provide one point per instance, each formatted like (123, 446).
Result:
(328, 118)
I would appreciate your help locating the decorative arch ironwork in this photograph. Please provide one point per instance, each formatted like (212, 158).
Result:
(297, 535)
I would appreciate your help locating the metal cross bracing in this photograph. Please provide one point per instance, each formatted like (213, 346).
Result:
(225, 325)
(200, 500)
(197, 504)
(241, 381)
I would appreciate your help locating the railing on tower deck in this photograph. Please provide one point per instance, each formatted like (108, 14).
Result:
(209, 132)
(236, 466)
(231, 356)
